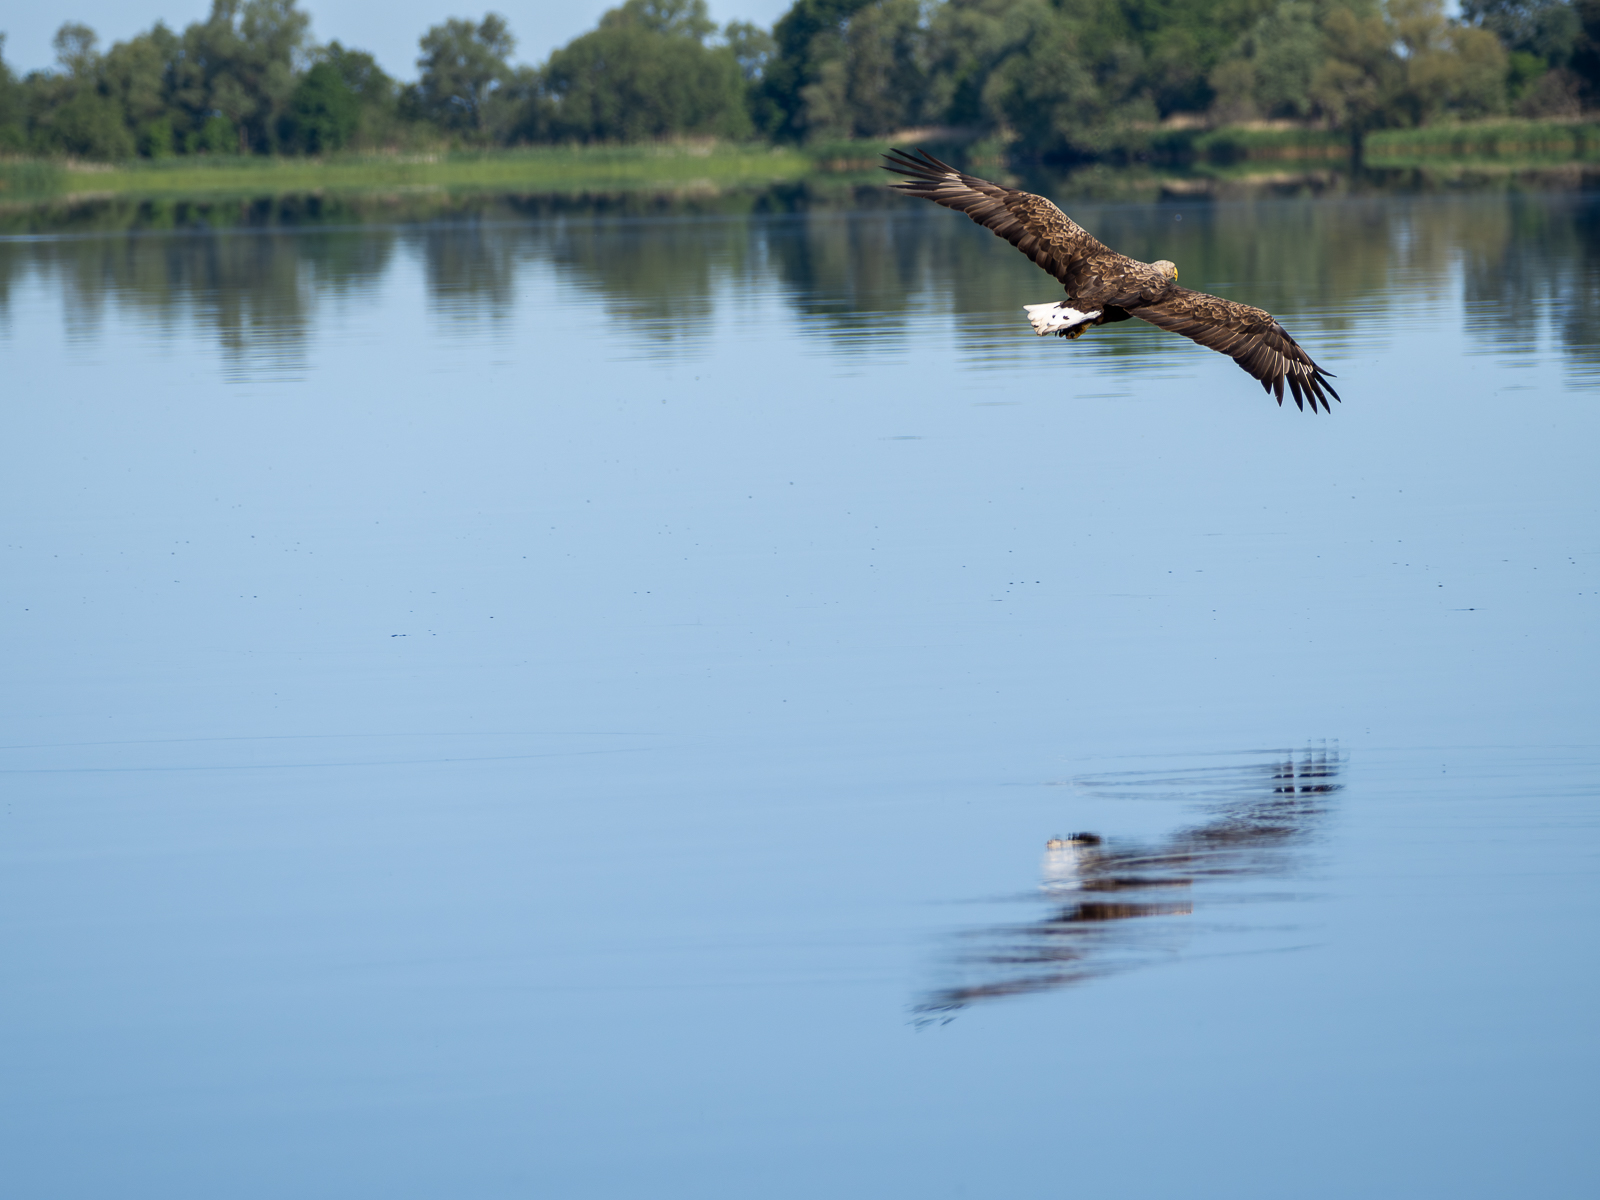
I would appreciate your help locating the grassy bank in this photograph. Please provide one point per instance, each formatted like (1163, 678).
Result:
(540, 169)
(1543, 140)
(1172, 160)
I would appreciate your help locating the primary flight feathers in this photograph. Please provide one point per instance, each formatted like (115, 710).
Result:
(1104, 286)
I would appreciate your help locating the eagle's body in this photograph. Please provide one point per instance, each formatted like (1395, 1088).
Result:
(1104, 286)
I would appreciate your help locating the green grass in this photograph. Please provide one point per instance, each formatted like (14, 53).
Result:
(1482, 141)
(706, 169)
(1501, 139)
(1232, 145)
(1505, 139)
(542, 169)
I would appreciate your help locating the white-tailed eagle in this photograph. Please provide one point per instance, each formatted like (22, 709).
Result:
(1104, 286)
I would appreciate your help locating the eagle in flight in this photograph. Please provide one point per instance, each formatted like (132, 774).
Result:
(1104, 286)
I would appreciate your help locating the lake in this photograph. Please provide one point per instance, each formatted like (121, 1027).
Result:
(693, 699)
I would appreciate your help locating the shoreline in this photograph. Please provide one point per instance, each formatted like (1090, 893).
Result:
(1212, 163)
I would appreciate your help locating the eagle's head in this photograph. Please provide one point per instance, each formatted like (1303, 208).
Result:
(1167, 267)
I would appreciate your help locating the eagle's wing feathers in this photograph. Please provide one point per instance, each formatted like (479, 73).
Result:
(1031, 223)
(1249, 336)
(1097, 276)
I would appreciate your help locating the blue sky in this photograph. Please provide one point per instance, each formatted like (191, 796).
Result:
(388, 30)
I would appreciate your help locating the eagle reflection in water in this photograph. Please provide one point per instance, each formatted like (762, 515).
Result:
(1259, 815)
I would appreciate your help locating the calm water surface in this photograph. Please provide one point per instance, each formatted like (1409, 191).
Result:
(708, 705)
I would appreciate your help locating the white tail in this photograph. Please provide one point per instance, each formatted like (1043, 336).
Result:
(1056, 318)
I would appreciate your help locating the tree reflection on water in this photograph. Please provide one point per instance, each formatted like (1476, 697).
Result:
(261, 277)
(1103, 891)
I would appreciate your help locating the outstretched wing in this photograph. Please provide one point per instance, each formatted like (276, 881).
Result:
(1092, 271)
(1030, 223)
(1251, 337)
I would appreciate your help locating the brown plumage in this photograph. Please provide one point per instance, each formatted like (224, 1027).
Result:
(1096, 277)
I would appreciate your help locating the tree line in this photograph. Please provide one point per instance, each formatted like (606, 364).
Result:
(1062, 79)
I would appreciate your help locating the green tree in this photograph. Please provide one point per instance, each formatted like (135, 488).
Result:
(462, 66)
(322, 113)
(967, 41)
(1585, 63)
(377, 96)
(1065, 79)
(1361, 76)
(1072, 91)
(70, 113)
(239, 80)
(137, 75)
(806, 38)
(1181, 42)
(75, 50)
(1547, 29)
(1270, 69)
(668, 18)
(868, 73)
(13, 107)
(753, 48)
(239, 64)
(361, 73)
(646, 72)
(1406, 64)
(1544, 40)
(1071, 78)
(1448, 67)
